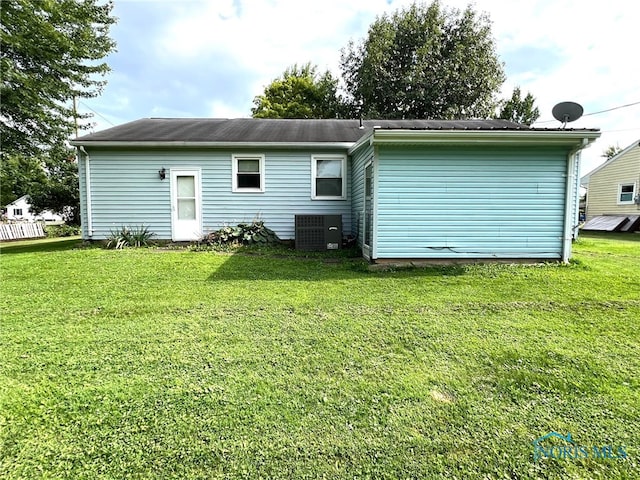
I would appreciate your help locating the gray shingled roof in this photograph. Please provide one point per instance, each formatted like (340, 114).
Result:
(273, 130)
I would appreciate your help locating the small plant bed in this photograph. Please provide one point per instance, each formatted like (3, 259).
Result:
(254, 233)
(256, 239)
(130, 237)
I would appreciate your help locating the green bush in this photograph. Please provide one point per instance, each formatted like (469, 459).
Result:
(130, 237)
(54, 231)
(254, 233)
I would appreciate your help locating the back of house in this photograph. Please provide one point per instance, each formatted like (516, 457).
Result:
(405, 189)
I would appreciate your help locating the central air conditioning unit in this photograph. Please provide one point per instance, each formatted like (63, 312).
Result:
(318, 232)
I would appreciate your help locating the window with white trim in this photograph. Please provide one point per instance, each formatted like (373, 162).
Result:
(248, 173)
(328, 180)
(626, 193)
(17, 212)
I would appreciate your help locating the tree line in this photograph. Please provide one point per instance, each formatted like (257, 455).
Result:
(423, 61)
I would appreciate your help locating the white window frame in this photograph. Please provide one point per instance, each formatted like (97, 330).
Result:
(252, 156)
(633, 193)
(314, 171)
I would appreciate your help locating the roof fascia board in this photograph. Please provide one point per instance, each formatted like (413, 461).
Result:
(318, 145)
(381, 137)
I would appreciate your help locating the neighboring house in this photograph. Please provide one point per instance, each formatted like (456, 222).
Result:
(613, 189)
(20, 210)
(407, 189)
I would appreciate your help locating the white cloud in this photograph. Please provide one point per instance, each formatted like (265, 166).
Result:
(590, 50)
(595, 41)
(268, 36)
(220, 109)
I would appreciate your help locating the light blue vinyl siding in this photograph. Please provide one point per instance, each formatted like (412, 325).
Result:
(359, 160)
(126, 190)
(480, 202)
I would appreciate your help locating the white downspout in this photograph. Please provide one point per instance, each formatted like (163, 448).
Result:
(567, 236)
(575, 230)
(87, 184)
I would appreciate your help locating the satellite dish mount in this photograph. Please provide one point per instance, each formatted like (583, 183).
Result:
(566, 112)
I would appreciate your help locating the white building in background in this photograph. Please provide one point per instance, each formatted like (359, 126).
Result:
(20, 211)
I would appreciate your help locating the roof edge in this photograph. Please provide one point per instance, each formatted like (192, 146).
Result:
(557, 137)
(120, 143)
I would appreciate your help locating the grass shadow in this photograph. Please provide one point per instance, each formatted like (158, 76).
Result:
(251, 265)
(40, 245)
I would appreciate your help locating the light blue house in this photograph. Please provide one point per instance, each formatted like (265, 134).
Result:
(407, 189)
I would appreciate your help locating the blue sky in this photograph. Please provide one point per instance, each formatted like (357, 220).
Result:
(210, 58)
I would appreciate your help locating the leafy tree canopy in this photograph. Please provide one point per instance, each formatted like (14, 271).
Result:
(300, 93)
(611, 151)
(19, 175)
(425, 61)
(52, 51)
(518, 109)
(50, 179)
(59, 192)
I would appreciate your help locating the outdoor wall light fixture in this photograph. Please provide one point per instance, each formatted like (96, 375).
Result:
(162, 173)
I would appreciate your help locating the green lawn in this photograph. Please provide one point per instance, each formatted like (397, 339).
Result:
(179, 364)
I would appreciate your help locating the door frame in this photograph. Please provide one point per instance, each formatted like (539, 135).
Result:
(174, 174)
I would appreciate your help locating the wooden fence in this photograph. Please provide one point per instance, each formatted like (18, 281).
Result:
(16, 231)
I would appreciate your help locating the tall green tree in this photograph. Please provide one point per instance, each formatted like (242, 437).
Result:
(518, 109)
(301, 92)
(425, 61)
(52, 51)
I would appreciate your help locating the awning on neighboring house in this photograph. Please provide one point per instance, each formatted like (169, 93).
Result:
(613, 223)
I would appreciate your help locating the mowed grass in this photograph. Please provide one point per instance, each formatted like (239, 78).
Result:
(177, 364)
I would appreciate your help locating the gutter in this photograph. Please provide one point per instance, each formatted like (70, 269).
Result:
(87, 184)
(519, 137)
(188, 144)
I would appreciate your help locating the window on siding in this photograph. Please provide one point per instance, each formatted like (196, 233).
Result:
(17, 212)
(248, 173)
(626, 192)
(328, 177)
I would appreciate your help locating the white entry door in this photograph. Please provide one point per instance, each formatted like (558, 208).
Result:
(186, 205)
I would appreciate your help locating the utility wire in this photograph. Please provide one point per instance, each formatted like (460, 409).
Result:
(621, 130)
(611, 109)
(97, 113)
(601, 111)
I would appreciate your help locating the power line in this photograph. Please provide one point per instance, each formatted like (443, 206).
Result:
(621, 130)
(97, 113)
(601, 111)
(611, 109)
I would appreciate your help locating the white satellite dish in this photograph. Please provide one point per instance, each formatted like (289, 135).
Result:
(566, 112)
